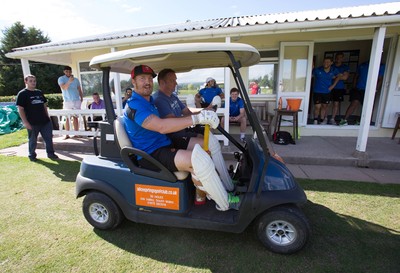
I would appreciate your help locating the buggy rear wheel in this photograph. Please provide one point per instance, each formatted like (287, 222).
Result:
(101, 211)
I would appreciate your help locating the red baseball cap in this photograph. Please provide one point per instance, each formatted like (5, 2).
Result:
(142, 69)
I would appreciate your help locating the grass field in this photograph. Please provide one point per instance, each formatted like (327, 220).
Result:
(15, 139)
(42, 229)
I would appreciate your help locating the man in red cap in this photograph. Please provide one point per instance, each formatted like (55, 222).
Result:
(147, 132)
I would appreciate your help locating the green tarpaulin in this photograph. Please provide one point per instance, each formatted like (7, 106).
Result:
(9, 120)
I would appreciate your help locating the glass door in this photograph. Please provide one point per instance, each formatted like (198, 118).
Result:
(294, 80)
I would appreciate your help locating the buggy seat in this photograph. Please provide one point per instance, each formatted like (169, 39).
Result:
(129, 156)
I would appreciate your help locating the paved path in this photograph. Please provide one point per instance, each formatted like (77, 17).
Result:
(312, 157)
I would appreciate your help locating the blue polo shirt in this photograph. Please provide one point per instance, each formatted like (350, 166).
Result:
(235, 106)
(323, 79)
(141, 138)
(342, 69)
(209, 93)
(362, 72)
(72, 93)
(168, 105)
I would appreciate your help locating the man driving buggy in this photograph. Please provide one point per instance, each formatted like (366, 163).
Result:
(147, 132)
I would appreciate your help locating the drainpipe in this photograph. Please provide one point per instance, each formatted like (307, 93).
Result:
(373, 71)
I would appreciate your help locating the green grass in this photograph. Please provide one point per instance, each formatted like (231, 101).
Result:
(14, 139)
(42, 229)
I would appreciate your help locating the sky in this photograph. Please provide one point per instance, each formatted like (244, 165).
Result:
(64, 20)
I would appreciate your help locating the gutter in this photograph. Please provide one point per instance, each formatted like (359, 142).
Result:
(220, 32)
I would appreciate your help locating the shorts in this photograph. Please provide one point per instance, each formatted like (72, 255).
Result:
(324, 98)
(204, 104)
(166, 155)
(337, 94)
(357, 94)
(72, 105)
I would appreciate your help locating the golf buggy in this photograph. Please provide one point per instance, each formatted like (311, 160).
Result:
(116, 187)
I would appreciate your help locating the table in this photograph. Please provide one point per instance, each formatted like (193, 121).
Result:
(397, 126)
(283, 112)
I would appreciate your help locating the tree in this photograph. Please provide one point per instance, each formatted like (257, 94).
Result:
(11, 78)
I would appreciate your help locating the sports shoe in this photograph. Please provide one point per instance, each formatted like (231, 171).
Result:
(242, 139)
(33, 159)
(233, 200)
(343, 122)
(332, 121)
(325, 121)
(52, 156)
(315, 122)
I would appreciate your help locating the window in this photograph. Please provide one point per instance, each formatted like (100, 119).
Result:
(191, 82)
(262, 78)
(294, 71)
(90, 79)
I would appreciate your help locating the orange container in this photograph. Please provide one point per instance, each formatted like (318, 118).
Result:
(294, 104)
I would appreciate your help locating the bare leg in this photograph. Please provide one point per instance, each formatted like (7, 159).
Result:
(317, 109)
(67, 127)
(243, 124)
(352, 107)
(75, 123)
(323, 110)
(197, 100)
(335, 109)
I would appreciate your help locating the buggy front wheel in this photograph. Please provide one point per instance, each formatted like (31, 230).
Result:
(283, 230)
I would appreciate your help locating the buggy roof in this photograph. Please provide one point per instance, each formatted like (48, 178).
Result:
(179, 57)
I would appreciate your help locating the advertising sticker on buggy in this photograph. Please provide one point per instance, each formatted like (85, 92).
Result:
(157, 196)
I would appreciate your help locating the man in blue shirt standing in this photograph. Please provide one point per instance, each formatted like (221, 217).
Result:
(357, 93)
(236, 112)
(72, 95)
(324, 76)
(340, 88)
(147, 132)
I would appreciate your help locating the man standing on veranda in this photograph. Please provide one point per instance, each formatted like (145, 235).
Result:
(72, 95)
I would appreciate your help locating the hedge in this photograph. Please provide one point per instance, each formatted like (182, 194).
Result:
(54, 101)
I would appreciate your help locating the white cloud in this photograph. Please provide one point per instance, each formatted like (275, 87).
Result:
(59, 20)
(133, 9)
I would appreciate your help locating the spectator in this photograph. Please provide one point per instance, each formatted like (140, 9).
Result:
(97, 103)
(72, 95)
(357, 93)
(33, 111)
(324, 75)
(236, 112)
(255, 88)
(128, 94)
(340, 88)
(206, 95)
